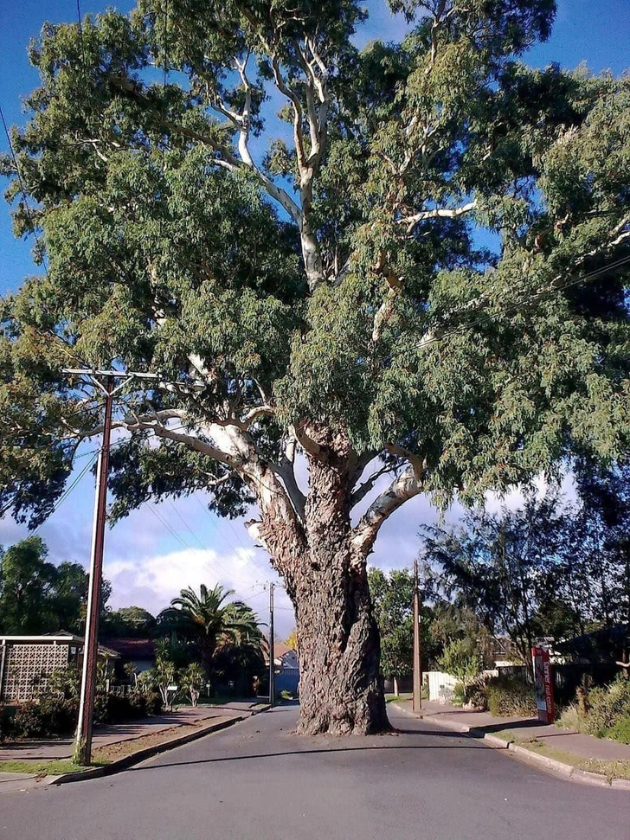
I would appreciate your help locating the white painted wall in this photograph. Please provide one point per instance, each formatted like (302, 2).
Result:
(440, 686)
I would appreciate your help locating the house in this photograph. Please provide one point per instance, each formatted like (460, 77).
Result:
(137, 652)
(607, 645)
(26, 662)
(287, 667)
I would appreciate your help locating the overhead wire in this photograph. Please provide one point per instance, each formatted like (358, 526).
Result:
(490, 317)
(199, 541)
(68, 490)
(23, 191)
(215, 522)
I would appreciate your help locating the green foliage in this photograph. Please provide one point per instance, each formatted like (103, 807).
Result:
(392, 597)
(493, 564)
(609, 708)
(207, 623)
(38, 597)
(451, 622)
(163, 244)
(510, 696)
(46, 718)
(26, 582)
(606, 714)
(462, 661)
(191, 680)
(548, 569)
(129, 622)
(620, 730)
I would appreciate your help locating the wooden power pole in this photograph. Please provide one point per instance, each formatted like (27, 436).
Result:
(417, 664)
(272, 673)
(83, 743)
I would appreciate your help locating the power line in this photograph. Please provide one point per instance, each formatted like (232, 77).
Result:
(228, 542)
(186, 546)
(204, 547)
(523, 305)
(66, 492)
(23, 191)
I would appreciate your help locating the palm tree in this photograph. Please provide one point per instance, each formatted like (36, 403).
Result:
(209, 623)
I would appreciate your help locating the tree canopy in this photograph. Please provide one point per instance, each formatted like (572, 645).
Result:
(408, 260)
(211, 625)
(550, 569)
(38, 597)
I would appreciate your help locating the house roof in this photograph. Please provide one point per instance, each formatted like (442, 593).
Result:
(133, 648)
(280, 650)
(63, 637)
(600, 645)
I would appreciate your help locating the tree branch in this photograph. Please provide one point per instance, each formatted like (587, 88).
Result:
(438, 213)
(364, 488)
(404, 487)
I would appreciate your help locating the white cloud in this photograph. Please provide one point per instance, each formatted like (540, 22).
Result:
(152, 581)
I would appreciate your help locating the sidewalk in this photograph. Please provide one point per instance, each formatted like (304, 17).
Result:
(107, 736)
(117, 746)
(563, 751)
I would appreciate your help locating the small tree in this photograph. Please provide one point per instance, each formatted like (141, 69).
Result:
(392, 596)
(191, 680)
(164, 673)
(494, 564)
(461, 661)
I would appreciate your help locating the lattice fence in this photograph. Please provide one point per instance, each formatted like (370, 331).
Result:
(27, 668)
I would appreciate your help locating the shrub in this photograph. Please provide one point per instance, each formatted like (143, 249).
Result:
(510, 696)
(476, 694)
(50, 717)
(609, 707)
(620, 731)
(459, 694)
(64, 683)
(461, 660)
(608, 714)
(191, 680)
(6, 722)
(573, 718)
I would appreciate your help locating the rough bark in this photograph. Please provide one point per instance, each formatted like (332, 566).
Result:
(340, 685)
(314, 547)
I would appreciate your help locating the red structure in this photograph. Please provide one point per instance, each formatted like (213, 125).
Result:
(543, 683)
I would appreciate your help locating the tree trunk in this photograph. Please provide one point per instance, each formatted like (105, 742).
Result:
(340, 685)
(396, 692)
(326, 577)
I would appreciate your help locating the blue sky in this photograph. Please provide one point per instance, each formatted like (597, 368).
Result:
(147, 562)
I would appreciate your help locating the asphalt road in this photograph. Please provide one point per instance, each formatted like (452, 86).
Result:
(257, 781)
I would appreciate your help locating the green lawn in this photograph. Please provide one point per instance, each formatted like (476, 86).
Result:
(610, 769)
(44, 768)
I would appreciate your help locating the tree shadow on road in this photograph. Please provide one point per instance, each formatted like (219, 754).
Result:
(391, 745)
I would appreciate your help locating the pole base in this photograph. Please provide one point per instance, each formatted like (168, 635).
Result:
(81, 755)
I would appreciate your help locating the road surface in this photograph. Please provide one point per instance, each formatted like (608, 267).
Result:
(257, 781)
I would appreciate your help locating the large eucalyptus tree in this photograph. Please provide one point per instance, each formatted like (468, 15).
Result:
(293, 233)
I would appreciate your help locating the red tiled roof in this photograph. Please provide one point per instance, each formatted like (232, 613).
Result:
(132, 648)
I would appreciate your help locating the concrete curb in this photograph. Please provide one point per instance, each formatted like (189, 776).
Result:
(148, 752)
(541, 762)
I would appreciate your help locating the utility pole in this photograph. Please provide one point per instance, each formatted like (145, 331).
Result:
(83, 743)
(417, 664)
(83, 740)
(272, 675)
